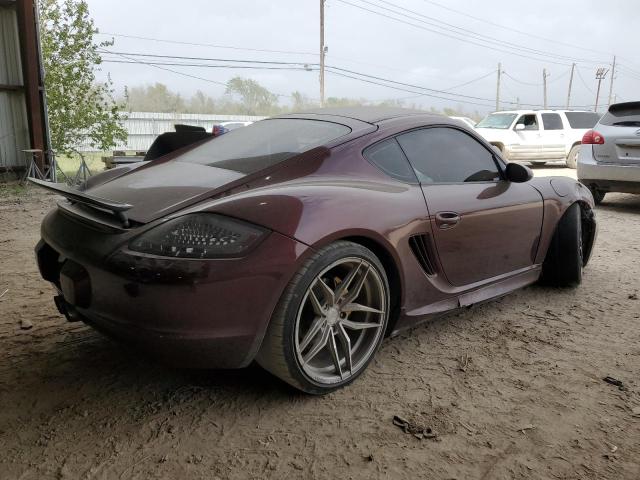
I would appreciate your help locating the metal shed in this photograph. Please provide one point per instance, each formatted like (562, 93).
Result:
(22, 113)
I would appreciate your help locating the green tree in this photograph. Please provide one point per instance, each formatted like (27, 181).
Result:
(344, 102)
(254, 98)
(154, 98)
(79, 106)
(301, 102)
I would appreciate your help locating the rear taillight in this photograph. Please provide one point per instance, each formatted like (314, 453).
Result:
(592, 138)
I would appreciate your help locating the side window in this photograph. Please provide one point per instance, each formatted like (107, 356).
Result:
(388, 157)
(529, 121)
(447, 155)
(552, 121)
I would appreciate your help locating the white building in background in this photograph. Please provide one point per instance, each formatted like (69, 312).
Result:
(144, 127)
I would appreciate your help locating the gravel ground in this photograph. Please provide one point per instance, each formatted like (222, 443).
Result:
(512, 389)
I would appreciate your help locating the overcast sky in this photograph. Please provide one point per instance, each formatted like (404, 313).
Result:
(583, 31)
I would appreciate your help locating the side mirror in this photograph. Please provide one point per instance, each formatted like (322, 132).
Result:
(518, 173)
(520, 126)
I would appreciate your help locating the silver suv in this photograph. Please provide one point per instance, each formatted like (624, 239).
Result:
(609, 159)
(537, 136)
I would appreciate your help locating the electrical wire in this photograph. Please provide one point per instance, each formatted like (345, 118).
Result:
(201, 65)
(224, 84)
(180, 57)
(511, 29)
(479, 36)
(436, 93)
(462, 39)
(403, 89)
(280, 65)
(559, 77)
(450, 88)
(395, 82)
(583, 81)
(196, 44)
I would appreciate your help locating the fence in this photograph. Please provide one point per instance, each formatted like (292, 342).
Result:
(143, 127)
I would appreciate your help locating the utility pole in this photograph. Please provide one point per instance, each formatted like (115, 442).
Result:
(498, 88)
(573, 67)
(322, 52)
(601, 73)
(613, 72)
(544, 83)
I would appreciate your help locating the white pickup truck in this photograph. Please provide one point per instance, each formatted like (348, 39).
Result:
(538, 136)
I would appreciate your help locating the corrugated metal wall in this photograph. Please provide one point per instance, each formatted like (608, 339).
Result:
(14, 133)
(144, 127)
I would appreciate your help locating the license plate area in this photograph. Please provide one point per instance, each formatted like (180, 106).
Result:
(75, 284)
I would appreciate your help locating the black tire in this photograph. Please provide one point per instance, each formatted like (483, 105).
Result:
(563, 264)
(278, 351)
(598, 195)
(572, 158)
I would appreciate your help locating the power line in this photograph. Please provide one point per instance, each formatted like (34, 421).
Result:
(395, 82)
(491, 73)
(462, 39)
(263, 65)
(583, 81)
(436, 93)
(451, 88)
(511, 29)
(224, 84)
(628, 71)
(180, 57)
(202, 65)
(559, 77)
(465, 31)
(213, 45)
(402, 88)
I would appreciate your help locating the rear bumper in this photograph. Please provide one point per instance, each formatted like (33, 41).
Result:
(189, 313)
(607, 177)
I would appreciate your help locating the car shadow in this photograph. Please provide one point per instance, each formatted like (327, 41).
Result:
(620, 202)
(85, 367)
(560, 165)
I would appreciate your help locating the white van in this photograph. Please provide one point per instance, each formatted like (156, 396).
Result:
(538, 136)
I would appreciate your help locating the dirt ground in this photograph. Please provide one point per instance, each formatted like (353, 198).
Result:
(513, 389)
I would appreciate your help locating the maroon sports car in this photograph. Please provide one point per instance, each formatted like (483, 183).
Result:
(302, 240)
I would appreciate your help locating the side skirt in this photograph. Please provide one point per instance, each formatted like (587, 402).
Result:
(480, 295)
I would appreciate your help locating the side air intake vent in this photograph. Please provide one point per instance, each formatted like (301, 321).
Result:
(423, 250)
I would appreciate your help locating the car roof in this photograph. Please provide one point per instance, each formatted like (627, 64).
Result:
(541, 110)
(364, 114)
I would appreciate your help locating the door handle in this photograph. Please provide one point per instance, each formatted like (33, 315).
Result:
(446, 220)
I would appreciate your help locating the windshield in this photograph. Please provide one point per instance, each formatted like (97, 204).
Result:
(497, 120)
(265, 143)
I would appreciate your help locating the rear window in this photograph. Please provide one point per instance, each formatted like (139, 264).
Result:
(265, 143)
(497, 120)
(582, 119)
(622, 114)
(552, 121)
(388, 156)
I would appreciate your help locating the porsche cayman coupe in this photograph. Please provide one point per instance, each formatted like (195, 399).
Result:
(301, 241)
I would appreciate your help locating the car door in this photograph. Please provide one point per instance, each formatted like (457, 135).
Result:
(553, 136)
(529, 147)
(484, 226)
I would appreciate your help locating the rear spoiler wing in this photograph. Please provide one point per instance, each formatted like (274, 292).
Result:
(76, 196)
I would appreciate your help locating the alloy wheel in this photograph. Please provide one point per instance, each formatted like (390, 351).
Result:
(340, 320)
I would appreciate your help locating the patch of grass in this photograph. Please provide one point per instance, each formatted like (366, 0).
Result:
(69, 164)
(12, 190)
